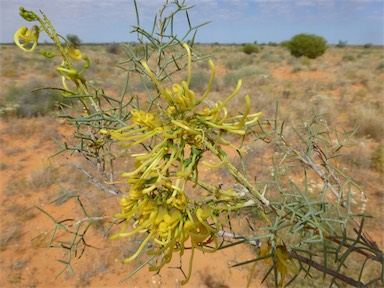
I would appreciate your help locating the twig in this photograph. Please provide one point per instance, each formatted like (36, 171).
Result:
(237, 175)
(302, 259)
(331, 272)
(222, 233)
(93, 180)
(88, 219)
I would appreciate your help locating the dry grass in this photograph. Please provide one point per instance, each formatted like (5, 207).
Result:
(9, 235)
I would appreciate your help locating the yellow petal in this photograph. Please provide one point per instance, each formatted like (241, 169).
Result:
(75, 54)
(27, 36)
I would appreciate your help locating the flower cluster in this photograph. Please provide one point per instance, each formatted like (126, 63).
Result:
(282, 259)
(176, 138)
(170, 224)
(27, 40)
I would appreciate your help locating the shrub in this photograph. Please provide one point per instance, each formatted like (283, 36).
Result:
(348, 58)
(378, 159)
(371, 122)
(271, 57)
(74, 39)
(251, 48)
(273, 44)
(199, 80)
(380, 67)
(308, 45)
(28, 102)
(232, 77)
(236, 63)
(341, 44)
(113, 48)
(305, 61)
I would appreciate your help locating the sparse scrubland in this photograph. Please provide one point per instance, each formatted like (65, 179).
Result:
(343, 88)
(330, 109)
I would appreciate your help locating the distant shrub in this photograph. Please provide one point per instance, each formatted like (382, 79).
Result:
(348, 58)
(251, 48)
(271, 57)
(305, 61)
(368, 45)
(380, 67)
(74, 39)
(113, 48)
(378, 159)
(236, 63)
(308, 45)
(296, 69)
(232, 77)
(370, 120)
(364, 53)
(23, 103)
(139, 50)
(199, 80)
(341, 44)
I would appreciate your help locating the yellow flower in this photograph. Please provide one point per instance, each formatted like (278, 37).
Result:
(265, 249)
(75, 54)
(26, 36)
(282, 258)
(180, 98)
(283, 267)
(145, 119)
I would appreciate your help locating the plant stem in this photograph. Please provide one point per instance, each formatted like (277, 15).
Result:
(236, 174)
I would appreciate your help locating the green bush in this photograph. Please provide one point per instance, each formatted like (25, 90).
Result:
(308, 45)
(251, 48)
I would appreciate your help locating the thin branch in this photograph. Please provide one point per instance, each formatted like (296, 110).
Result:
(94, 181)
(326, 270)
(301, 258)
(226, 234)
(88, 219)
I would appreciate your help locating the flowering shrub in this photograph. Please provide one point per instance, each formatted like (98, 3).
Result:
(157, 202)
(172, 133)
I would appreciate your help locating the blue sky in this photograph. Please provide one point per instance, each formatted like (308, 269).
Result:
(232, 21)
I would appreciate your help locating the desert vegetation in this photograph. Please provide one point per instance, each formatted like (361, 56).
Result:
(308, 45)
(320, 136)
